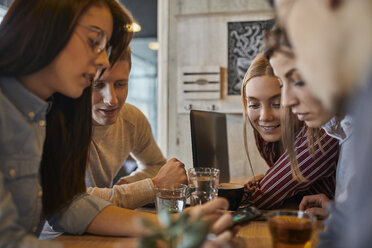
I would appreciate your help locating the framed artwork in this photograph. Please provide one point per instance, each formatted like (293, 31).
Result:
(245, 42)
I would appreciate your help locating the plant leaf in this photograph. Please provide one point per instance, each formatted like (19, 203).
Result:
(194, 235)
(165, 218)
(151, 226)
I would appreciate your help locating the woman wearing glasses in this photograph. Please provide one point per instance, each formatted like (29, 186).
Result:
(261, 96)
(50, 52)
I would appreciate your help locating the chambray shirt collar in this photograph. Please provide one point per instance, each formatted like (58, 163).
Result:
(22, 98)
(342, 132)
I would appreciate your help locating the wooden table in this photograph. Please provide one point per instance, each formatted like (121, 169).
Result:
(253, 235)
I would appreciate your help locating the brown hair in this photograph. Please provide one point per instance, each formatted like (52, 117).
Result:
(127, 56)
(290, 127)
(269, 151)
(46, 27)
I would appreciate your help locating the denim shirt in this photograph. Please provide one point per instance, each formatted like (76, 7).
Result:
(22, 134)
(345, 170)
(351, 222)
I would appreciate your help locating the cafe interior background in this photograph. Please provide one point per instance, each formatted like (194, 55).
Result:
(194, 37)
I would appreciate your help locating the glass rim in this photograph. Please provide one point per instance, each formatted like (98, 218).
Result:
(175, 187)
(290, 212)
(203, 169)
(103, 40)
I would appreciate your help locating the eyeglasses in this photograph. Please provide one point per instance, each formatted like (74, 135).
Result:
(99, 44)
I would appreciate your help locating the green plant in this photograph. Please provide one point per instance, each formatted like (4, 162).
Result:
(183, 232)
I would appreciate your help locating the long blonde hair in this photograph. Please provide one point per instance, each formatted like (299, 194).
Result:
(270, 152)
(290, 126)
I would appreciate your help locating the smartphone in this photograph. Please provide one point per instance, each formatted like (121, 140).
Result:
(245, 215)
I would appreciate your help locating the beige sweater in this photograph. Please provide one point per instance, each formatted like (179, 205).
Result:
(111, 146)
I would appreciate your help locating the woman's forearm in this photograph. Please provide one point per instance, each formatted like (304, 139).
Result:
(115, 221)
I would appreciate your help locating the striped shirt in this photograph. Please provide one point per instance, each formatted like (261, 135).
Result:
(319, 168)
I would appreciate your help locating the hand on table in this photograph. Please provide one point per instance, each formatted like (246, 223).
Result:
(173, 172)
(253, 183)
(221, 221)
(315, 204)
(121, 181)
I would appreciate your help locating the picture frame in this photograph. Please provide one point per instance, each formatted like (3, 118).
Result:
(245, 41)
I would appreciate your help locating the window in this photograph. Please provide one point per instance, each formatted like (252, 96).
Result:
(143, 80)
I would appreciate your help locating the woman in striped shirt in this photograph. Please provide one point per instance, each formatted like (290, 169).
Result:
(317, 152)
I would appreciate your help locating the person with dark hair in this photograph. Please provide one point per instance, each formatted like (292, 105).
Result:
(120, 130)
(50, 52)
(45, 112)
(334, 57)
(316, 151)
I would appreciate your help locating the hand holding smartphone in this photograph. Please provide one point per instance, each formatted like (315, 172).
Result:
(245, 215)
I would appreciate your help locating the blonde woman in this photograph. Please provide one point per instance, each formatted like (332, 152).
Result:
(315, 171)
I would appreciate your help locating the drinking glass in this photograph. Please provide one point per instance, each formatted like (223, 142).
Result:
(171, 198)
(290, 228)
(203, 184)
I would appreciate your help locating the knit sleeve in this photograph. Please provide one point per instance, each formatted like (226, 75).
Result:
(145, 151)
(131, 196)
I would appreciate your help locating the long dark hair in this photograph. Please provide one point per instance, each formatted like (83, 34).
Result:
(32, 34)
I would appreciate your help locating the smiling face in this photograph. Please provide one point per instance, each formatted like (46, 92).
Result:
(296, 94)
(263, 106)
(109, 94)
(75, 66)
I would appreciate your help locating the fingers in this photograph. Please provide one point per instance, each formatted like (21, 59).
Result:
(311, 201)
(259, 177)
(211, 218)
(224, 237)
(219, 241)
(211, 207)
(317, 211)
(215, 204)
(171, 173)
(222, 223)
(176, 162)
(121, 181)
(304, 203)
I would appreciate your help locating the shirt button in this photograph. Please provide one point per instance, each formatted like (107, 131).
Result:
(42, 123)
(40, 193)
(34, 229)
(31, 115)
(12, 173)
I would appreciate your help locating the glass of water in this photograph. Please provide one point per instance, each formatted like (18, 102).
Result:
(203, 184)
(171, 198)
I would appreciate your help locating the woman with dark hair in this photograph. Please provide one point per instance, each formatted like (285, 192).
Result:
(317, 152)
(50, 52)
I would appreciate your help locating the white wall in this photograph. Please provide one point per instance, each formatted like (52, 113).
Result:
(204, 49)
